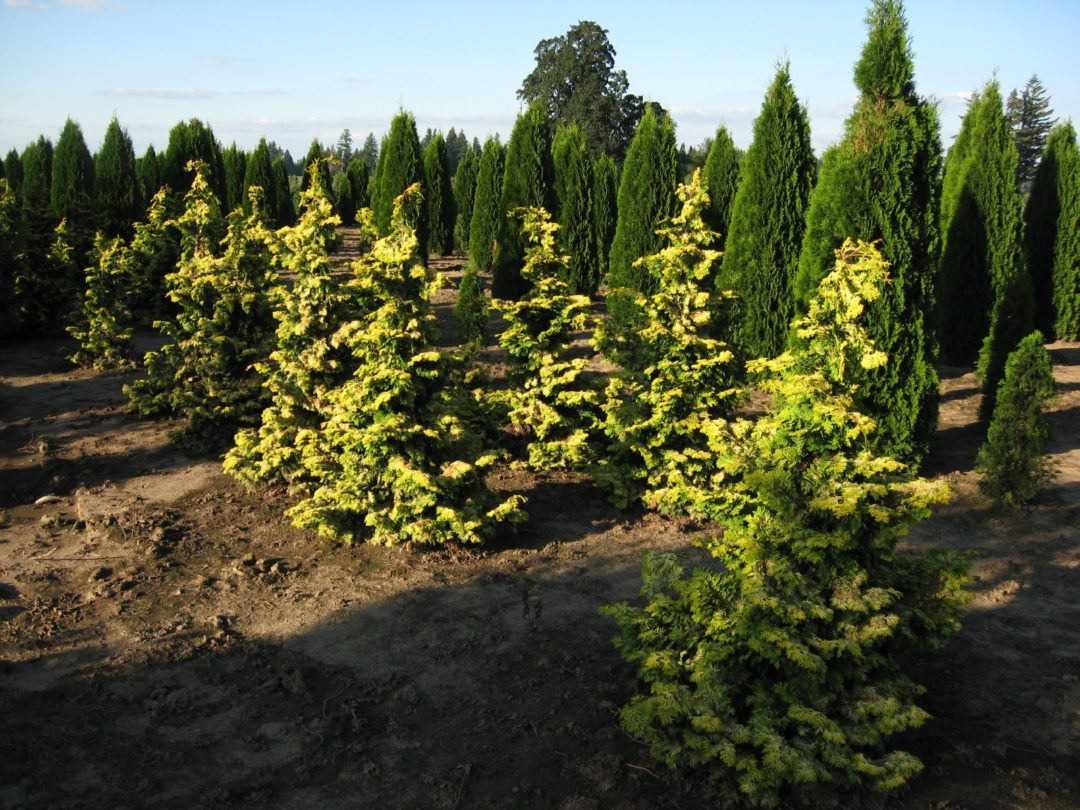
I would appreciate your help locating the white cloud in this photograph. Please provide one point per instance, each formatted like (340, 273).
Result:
(158, 93)
(221, 59)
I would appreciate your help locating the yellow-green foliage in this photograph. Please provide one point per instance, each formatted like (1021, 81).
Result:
(107, 325)
(546, 398)
(778, 669)
(674, 380)
(398, 457)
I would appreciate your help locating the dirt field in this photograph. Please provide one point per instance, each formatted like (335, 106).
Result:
(168, 640)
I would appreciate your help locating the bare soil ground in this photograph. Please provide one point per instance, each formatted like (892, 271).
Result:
(168, 640)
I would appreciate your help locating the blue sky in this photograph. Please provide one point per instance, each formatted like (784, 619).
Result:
(293, 72)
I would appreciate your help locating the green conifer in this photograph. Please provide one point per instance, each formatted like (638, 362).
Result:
(9, 238)
(438, 197)
(118, 198)
(576, 236)
(317, 154)
(192, 142)
(471, 309)
(72, 189)
(13, 171)
(37, 294)
(401, 163)
(283, 206)
(881, 184)
(721, 177)
(149, 173)
(605, 196)
(234, 161)
(485, 218)
(106, 328)
(464, 189)
(260, 172)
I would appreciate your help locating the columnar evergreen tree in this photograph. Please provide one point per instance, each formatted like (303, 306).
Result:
(548, 399)
(359, 180)
(576, 236)
(768, 216)
(400, 165)
(397, 457)
(605, 196)
(1013, 460)
(882, 184)
(471, 309)
(260, 172)
(106, 328)
(464, 189)
(286, 210)
(438, 197)
(156, 251)
(148, 171)
(36, 292)
(985, 295)
(72, 189)
(317, 154)
(674, 379)
(192, 142)
(779, 670)
(528, 181)
(369, 153)
(721, 177)
(9, 236)
(13, 171)
(345, 196)
(118, 198)
(1030, 116)
(1052, 236)
(235, 161)
(223, 326)
(646, 198)
(483, 229)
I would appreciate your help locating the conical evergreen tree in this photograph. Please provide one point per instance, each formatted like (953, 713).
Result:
(149, 174)
(650, 176)
(485, 215)
(72, 189)
(1031, 119)
(438, 197)
(881, 184)
(235, 162)
(285, 210)
(721, 177)
(464, 188)
(605, 196)
(767, 221)
(13, 171)
(260, 172)
(117, 191)
(317, 153)
(36, 232)
(401, 164)
(1052, 236)
(192, 142)
(9, 236)
(576, 236)
(528, 181)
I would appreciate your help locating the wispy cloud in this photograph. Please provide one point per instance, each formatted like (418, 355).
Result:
(24, 4)
(89, 5)
(154, 92)
(221, 59)
(357, 79)
(712, 114)
(271, 91)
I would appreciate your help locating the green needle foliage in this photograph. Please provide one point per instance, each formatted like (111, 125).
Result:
(647, 197)
(148, 172)
(779, 670)
(398, 457)
(546, 400)
(1013, 463)
(674, 380)
(192, 143)
(471, 310)
(107, 326)
(37, 291)
(223, 326)
(485, 217)
(464, 189)
(573, 193)
(234, 161)
(117, 197)
(283, 205)
(721, 176)
(72, 189)
(438, 197)
(260, 173)
(317, 155)
(400, 165)
(156, 249)
(9, 218)
(882, 184)
(767, 221)
(308, 362)
(605, 200)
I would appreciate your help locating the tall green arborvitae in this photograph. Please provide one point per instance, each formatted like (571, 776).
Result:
(464, 189)
(13, 171)
(359, 179)
(9, 235)
(72, 189)
(33, 281)
(234, 161)
(650, 176)
(485, 217)
(116, 187)
(438, 197)
(576, 236)
(721, 177)
(761, 250)
(528, 181)
(781, 670)
(283, 201)
(882, 184)
(1052, 236)
(605, 196)
(401, 164)
(317, 154)
(260, 172)
(149, 174)
(192, 142)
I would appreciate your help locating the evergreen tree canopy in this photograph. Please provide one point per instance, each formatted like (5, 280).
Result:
(464, 189)
(881, 184)
(646, 198)
(721, 178)
(438, 197)
(576, 236)
(400, 165)
(286, 210)
(234, 161)
(1052, 236)
(72, 188)
(260, 173)
(605, 196)
(13, 171)
(575, 82)
(119, 201)
(528, 182)
(767, 221)
(369, 153)
(1031, 119)
(36, 228)
(9, 225)
(192, 142)
(317, 152)
(483, 229)
(350, 190)
(149, 173)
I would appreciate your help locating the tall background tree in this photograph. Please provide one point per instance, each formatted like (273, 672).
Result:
(400, 165)
(528, 181)
(148, 171)
(605, 197)
(463, 186)
(283, 205)
(721, 178)
(260, 172)
(881, 184)
(573, 194)
(192, 141)
(1031, 118)
(317, 153)
(350, 190)
(117, 196)
(438, 197)
(576, 83)
(485, 216)
(72, 189)
(13, 171)
(767, 221)
(234, 161)
(36, 226)
(646, 198)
